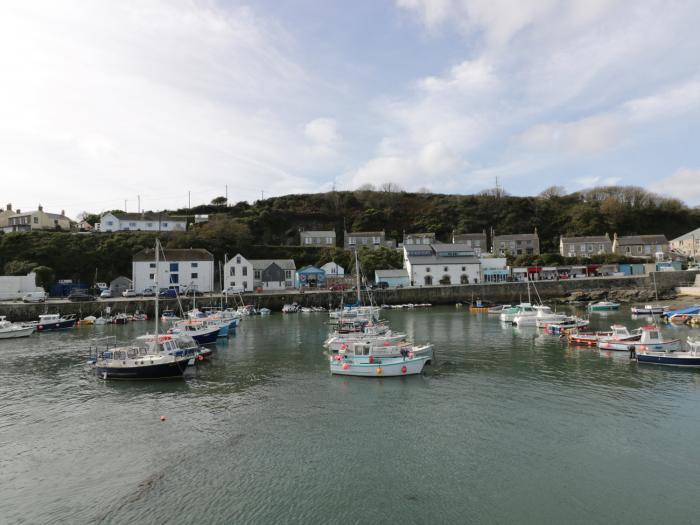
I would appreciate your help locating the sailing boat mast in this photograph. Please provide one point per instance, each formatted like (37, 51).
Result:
(155, 283)
(357, 273)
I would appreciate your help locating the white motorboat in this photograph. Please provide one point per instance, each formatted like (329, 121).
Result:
(10, 330)
(649, 309)
(620, 339)
(542, 314)
(520, 310)
(337, 342)
(49, 322)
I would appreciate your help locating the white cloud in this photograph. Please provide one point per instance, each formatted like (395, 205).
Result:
(684, 184)
(587, 182)
(135, 97)
(584, 137)
(324, 137)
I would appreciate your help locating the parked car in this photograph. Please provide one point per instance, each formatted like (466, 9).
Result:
(193, 292)
(106, 294)
(381, 285)
(34, 297)
(149, 292)
(234, 290)
(129, 293)
(168, 292)
(80, 295)
(338, 287)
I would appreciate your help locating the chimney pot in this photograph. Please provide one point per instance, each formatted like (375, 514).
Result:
(9, 207)
(41, 208)
(63, 212)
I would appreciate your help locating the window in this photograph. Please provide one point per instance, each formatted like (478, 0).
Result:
(464, 279)
(195, 265)
(639, 249)
(628, 249)
(365, 240)
(307, 240)
(109, 223)
(427, 270)
(238, 260)
(174, 278)
(288, 274)
(132, 224)
(36, 220)
(601, 248)
(464, 268)
(151, 276)
(174, 267)
(444, 269)
(152, 265)
(194, 276)
(428, 280)
(329, 240)
(376, 240)
(245, 271)
(256, 275)
(165, 225)
(149, 225)
(352, 241)
(232, 271)
(529, 242)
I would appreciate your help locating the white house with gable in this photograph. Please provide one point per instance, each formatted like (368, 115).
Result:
(439, 263)
(149, 222)
(181, 268)
(238, 273)
(333, 269)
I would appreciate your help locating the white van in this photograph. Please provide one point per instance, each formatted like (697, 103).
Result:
(34, 297)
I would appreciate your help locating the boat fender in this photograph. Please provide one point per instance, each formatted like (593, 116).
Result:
(371, 360)
(378, 370)
(345, 366)
(410, 355)
(404, 369)
(200, 357)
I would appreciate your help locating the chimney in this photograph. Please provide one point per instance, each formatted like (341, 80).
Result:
(41, 208)
(19, 211)
(63, 212)
(9, 207)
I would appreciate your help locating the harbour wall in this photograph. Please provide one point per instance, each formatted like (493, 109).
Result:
(621, 288)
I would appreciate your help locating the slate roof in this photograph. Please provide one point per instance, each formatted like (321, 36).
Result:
(261, 264)
(590, 238)
(175, 254)
(149, 216)
(318, 233)
(628, 240)
(461, 237)
(516, 237)
(689, 236)
(435, 259)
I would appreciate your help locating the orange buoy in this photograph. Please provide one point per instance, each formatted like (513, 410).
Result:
(378, 371)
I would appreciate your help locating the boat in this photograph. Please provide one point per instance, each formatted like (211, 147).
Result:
(649, 309)
(498, 309)
(543, 314)
(10, 330)
(682, 315)
(621, 338)
(103, 319)
(603, 306)
(87, 320)
(169, 315)
(290, 308)
(48, 322)
(120, 319)
(139, 316)
(350, 364)
(200, 331)
(341, 341)
(563, 327)
(680, 358)
(154, 356)
(264, 311)
(522, 310)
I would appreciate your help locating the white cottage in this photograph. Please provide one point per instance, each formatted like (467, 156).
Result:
(181, 268)
(441, 264)
(333, 269)
(150, 222)
(238, 273)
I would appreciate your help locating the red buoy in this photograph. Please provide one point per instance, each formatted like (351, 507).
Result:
(404, 369)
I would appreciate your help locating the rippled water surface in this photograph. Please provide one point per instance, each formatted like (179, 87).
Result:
(509, 426)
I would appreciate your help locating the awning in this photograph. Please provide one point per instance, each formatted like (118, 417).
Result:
(519, 270)
(493, 271)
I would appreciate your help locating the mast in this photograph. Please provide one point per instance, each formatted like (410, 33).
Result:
(656, 291)
(157, 289)
(357, 273)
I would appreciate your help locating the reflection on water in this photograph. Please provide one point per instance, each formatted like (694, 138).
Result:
(510, 425)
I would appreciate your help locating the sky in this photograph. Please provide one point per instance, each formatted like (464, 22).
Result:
(180, 101)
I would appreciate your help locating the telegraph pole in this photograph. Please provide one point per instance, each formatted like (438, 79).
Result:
(138, 198)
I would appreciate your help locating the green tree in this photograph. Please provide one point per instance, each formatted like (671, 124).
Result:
(378, 259)
(44, 276)
(219, 201)
(18, 267)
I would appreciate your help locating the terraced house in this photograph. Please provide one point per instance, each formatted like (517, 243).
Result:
(646, 246)
(585, 246)
(317, 238)
(374, 240)
(516, 244)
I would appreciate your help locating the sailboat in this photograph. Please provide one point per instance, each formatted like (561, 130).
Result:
(156, 356)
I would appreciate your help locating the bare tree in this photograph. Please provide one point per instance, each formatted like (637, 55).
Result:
(390, 187)
(553, 191)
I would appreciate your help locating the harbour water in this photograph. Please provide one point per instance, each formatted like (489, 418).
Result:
(509, 426)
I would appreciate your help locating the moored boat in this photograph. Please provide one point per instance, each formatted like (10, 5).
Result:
(669, 357)
(48, 322)
(379, 367)
(621, 338)
(649, 309)
(10, 330)
(603, 306)
(520, 310)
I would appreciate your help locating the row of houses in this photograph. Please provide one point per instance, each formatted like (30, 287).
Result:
(18, 221)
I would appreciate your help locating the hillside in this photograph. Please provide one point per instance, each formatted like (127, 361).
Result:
(269, 228)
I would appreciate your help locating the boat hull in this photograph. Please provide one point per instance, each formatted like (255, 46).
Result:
(383, 368)
(158, 371)
(16, 333)
(59, 325)
(669, 360)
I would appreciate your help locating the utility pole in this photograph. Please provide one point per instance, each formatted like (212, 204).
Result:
(189, 199)
(124, 205)
(138, 198)
(227, 195)
(262, 195)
